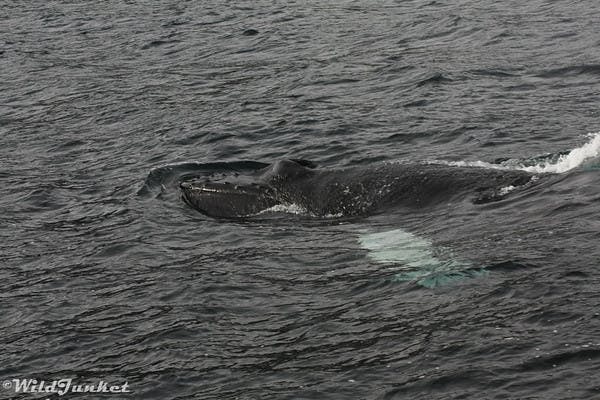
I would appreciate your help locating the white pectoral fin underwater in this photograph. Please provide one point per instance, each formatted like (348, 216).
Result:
(416, 259)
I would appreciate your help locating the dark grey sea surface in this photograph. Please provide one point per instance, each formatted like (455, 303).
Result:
(106, 274)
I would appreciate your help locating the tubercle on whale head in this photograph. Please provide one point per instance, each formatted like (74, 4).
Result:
(287, 170)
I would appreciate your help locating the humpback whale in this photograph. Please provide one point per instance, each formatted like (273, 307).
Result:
(350, 191)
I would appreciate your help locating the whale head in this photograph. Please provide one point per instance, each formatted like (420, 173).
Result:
(227, 200)
(239, 195)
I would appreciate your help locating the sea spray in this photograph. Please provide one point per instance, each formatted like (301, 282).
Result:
(575, 158)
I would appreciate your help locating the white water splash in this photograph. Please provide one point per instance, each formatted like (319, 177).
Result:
(575, 158)
(297, 210)
(506, 190)
(285, 208)
(415, 256)
(478, 164)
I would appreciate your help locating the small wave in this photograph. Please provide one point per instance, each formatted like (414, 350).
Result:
(572, 70)
(437, 78)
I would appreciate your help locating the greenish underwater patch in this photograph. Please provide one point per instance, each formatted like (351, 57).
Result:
(417, 259)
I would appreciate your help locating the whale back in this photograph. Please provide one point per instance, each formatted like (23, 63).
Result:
(350, 191)
(359, 191)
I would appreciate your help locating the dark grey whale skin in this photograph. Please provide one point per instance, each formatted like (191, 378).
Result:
(350, 191)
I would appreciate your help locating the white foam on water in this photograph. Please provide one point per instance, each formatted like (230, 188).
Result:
(506, 190)
(296, 210)
(478, 164)
(285, 208)
(416, 257)
(575, 158)
(333, 216)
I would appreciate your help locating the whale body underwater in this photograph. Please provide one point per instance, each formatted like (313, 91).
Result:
(353, 191)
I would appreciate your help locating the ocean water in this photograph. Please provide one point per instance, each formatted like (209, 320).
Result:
(107, 275)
